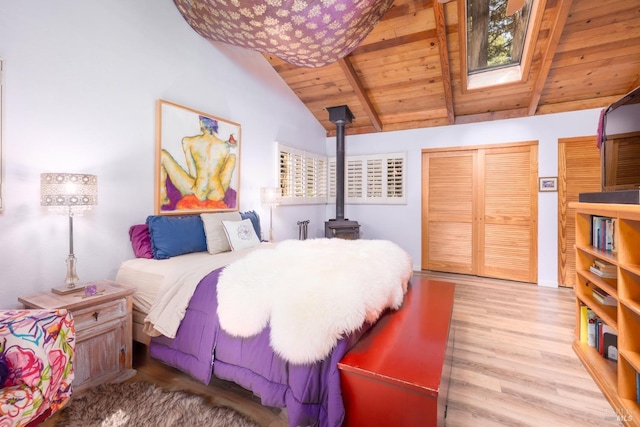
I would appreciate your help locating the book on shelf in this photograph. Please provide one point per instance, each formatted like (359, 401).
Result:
(604, 266)
(614, 235)
(599, 336)
(584, 324)
(609, 342)
(608, 235)
(604, 274)
(603, 298)
(591, 328)
(637, 386)
(595, 333)
(603, 233)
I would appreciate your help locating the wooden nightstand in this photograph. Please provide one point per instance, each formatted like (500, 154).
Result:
(103, 325)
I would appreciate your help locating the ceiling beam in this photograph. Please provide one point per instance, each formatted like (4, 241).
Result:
(351, 75)
(564, 6)
(443, 50)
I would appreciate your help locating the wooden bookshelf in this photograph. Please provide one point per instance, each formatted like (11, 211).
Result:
(617, 380)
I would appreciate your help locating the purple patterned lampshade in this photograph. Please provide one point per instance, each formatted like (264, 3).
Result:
(306, 33)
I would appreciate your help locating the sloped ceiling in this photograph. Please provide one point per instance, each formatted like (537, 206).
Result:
(407, 73)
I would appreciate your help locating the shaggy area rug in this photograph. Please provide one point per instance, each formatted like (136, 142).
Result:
(144, 404)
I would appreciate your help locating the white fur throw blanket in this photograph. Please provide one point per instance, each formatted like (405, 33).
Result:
(312, 292)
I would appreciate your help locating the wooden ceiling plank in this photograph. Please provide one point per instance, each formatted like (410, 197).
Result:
(564, 6)
(385, 30)
(437, 113)
(601, 52)
(443, 50)
(393, 42)
(635, 84)
(590, 14)
(360, 92)
(600, 35)
(581, 104)
(493, 115)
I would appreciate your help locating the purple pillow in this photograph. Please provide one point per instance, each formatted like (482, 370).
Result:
(4, 370)
(141, 241)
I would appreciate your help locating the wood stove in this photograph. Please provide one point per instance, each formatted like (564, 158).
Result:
(340, 226)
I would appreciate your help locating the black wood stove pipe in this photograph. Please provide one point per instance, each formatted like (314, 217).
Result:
(340, 116)
(340, 170)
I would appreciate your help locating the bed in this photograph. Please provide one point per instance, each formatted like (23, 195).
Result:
(275, 318)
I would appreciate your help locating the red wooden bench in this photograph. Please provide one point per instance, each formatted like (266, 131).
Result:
(398, 373)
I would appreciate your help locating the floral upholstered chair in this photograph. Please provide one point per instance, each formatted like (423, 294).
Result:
(36, 355)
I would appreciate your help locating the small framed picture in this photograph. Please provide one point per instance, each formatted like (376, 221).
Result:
(548, 184)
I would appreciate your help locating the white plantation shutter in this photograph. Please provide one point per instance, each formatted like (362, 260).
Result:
(320, 172)
(286, 178)
(374, 178)
(354, 179)
(395, 177)
(298, 175)
(332, 180)
(303, 176)
(371, 179)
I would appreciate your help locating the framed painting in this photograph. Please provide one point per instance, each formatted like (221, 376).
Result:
(548, 184)
(197, 161)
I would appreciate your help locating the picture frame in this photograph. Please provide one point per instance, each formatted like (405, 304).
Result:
(548, 184)
(197, 162)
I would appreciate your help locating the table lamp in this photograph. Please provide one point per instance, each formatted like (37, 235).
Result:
(270, 196)
(69, 194)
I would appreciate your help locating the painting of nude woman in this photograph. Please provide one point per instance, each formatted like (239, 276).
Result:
(197, 161)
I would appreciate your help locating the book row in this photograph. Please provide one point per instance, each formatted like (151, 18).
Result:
(603, 233)
(603, 338)
(595, 333)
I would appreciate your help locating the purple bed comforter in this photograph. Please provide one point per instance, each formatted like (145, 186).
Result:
(311, 393)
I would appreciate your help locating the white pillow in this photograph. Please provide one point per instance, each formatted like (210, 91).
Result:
(216, 238)
(241, 234)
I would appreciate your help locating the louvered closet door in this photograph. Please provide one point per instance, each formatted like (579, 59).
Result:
(480, 209)
(508, 203)
(448, 211)
(578, 172)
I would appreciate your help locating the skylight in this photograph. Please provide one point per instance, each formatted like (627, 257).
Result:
(496, 37)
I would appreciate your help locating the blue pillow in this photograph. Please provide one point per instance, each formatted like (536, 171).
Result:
(255, 220)
(176, 235)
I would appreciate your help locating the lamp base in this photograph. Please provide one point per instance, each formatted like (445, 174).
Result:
(65, 290)
(71, 280)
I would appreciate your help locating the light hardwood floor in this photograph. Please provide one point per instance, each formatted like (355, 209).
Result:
(512, 364)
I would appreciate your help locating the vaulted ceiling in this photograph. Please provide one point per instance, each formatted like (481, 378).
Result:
(408, 72)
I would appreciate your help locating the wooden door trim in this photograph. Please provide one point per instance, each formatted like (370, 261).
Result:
(565, 248)
(479, 147)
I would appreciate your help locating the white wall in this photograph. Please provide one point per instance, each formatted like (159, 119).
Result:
(82, 78)
(403, 223)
